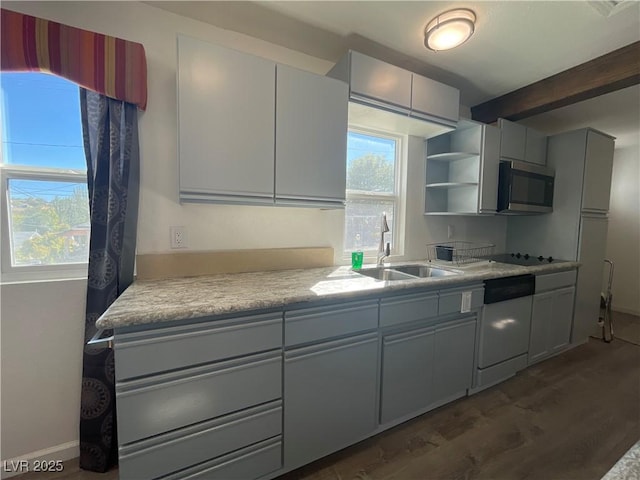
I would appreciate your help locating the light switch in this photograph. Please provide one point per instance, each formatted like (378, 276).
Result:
(466, 302)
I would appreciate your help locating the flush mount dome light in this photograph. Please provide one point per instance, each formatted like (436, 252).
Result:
(449, 29)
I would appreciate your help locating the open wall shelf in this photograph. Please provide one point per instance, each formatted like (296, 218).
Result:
(455, 170)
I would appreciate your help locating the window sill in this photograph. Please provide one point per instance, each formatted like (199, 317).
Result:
(39, 276)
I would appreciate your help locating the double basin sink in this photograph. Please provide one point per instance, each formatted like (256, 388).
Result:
(405, 272)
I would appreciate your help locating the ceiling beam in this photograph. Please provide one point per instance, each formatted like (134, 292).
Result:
(614, 71)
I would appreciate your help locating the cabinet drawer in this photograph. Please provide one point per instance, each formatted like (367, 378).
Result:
(408, 308)
(248, 463)
(552, 281)
(451, 301)
(162, 349)
(173, 400)
(311, 324)
(188, 446)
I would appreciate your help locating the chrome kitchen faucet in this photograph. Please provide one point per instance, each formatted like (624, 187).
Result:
(382, 251)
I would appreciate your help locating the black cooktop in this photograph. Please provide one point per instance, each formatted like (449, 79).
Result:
(522, 259)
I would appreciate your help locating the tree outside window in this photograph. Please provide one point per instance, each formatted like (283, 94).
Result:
(372, 189)
(45, 199)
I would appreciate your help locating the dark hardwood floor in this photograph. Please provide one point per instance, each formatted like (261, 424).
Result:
(626, 327)
(570, 417)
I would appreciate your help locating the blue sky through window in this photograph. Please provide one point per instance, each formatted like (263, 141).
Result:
(41, 121)
(361, 144)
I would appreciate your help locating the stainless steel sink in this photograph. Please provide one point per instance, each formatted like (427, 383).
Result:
(405, 272)
(423, 271)
(384, 273)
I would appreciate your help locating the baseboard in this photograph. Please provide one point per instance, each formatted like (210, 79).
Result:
(25, 463)
(628, 311)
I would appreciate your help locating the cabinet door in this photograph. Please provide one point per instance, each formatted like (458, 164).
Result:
(434, 99)
(377, 81)
(535, 147)
(560, 325)
(513, 139)
(407, 371)
(598, 171)
(226, 122)
(330, 395)
(453, 360)
(541, 316)
(311, 137)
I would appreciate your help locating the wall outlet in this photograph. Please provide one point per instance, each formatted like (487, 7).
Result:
(449, 232)
(178, 237)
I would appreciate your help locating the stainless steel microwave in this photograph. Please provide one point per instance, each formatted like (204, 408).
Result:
(524, 188)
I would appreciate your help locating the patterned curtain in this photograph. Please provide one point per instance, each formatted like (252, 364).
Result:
(112, 66)
(110, 131)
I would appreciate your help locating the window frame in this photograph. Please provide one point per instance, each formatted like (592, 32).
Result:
(398, 197)
(24, 273)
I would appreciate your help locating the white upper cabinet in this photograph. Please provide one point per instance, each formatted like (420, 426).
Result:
(513, 139)
(238, 144)
(378, 80)
(391, 98)
(226, 122)
(311, 138)
(535, 147)
(522, 143)
(598, 170)
(434, 99)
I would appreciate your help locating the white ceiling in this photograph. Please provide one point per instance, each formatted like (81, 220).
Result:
(516, 42)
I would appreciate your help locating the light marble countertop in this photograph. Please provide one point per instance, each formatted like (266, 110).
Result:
(628, 467)
(154, 301)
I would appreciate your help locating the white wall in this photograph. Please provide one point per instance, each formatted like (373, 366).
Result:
(42, 335)
(33, 420)
(623, 240)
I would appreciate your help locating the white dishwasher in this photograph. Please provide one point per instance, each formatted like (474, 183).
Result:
(504, 329)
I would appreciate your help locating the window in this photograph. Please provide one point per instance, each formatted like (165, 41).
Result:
(374, 173)
(45, 207)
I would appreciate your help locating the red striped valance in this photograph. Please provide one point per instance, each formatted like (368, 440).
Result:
(114, 67)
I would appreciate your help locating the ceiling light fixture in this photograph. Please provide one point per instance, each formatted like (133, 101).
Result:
(449, 29)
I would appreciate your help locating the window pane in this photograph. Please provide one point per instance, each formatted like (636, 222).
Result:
(363, 219)
(49, 222)
(41, 121)
(370, 163)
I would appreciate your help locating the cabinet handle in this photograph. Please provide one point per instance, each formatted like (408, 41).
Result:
(401, 337)
(432, 118)
(96, 340)
(294, 316)
(463, 322)
(328, 347)
(370, 101)
(286, 199)
(191, 331)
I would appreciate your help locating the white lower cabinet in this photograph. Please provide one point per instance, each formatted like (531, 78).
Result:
(201, 399)
(454, 347)
(551, 319)
(407, 373)
(330, 397)
(309, 380)
(426, 367)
